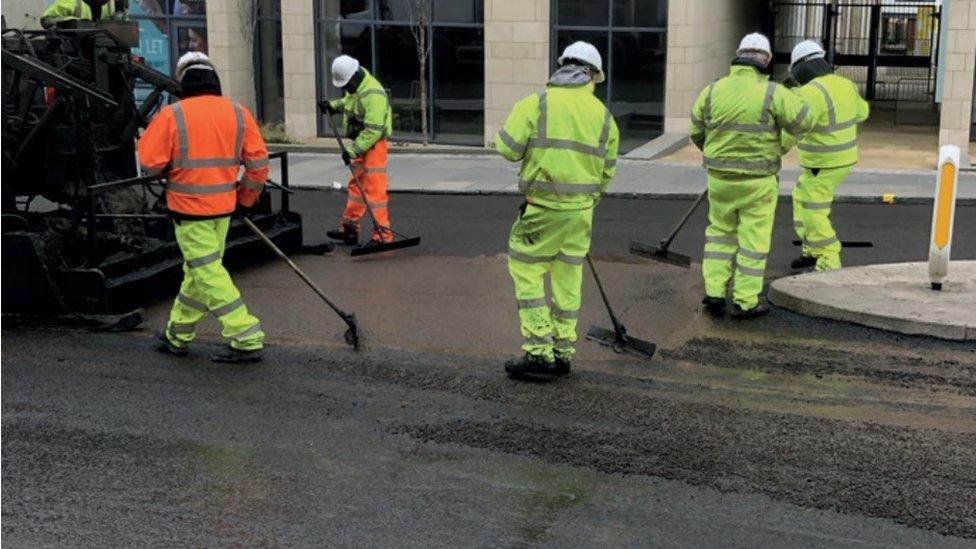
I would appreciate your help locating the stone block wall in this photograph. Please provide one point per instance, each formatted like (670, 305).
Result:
(702, 38)
(298, 60)
(957, 84)
(230, 52)
(516, 56)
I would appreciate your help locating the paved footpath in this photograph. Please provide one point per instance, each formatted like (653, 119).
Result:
(492, 174)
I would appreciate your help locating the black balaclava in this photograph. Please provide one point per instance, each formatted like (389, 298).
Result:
(353, 84)
(805, 71)
(198, 80)
(753, 62)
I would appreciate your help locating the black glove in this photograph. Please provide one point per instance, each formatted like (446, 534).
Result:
(244, 211)
(327, 107)
(346, 159)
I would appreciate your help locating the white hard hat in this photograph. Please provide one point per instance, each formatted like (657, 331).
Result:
(584, 51)
(195, 60)
(754, 42)
(806, 50)
(342, 70)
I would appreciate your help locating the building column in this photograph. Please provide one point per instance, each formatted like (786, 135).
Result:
(298, 60)
(957, 83)
(230, 53)
(516, 56)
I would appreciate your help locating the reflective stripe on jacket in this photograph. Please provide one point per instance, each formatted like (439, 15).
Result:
(66, 10)
(369, 108)
(202, 142)
(567, 142)
(737, 121)
(839, 109)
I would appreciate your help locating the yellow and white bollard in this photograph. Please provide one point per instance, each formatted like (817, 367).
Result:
(943, 213)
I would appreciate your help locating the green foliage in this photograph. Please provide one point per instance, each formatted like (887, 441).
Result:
(274, 132)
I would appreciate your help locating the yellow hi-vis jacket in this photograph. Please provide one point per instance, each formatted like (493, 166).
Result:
(838, 108)
(567, 142)
(369, 109)
(64, 10)
(738, 119)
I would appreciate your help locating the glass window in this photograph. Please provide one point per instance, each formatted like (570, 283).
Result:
(268, 64)
(399, 71)
(459, 11)
(590, 13)
(637, 81)
(640, 13)
(191, 38)
(398, 10)
(189, 7)
(597, 38)
(345, 9)
(459, 80)
(337, 39)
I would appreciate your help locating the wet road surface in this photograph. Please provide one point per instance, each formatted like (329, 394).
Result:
(780, 431)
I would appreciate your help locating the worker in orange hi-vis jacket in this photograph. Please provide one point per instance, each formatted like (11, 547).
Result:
(200, 143)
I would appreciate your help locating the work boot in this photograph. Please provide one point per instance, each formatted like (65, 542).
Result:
(803, 262)
(230, 354)
(760, 309)
(168, 347)
(346, 234)
(714, 305)
(530, 365)
(562, 366)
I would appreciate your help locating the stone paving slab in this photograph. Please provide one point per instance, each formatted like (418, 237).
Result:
(895, 297)
(492, 174)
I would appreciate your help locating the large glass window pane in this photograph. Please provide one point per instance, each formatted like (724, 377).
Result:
(459, 85)
(359, 10)
(637, 75)
(640, 13)
(591, 13)
(398, 10)
(337, 39)
(597, 38)
(459, 11)
(269, 65)
(399, 71)
(189, 7)
(192, 37)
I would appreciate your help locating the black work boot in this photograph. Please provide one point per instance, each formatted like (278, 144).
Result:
(562, 366)
(529, 366)
(346, 234)
(760, 309)
(714, 305)
(803, 262)
(230, 354)
(168, 347)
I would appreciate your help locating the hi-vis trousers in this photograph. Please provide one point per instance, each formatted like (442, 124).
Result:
(556, 242)
(813, 198)
(207, 287)
(372, 175)
(740, 217)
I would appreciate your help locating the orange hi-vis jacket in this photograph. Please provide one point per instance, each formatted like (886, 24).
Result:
(201, 142)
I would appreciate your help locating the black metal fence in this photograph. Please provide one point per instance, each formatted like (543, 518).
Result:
(889, 49)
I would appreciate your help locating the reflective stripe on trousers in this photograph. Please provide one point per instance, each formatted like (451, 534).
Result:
(812, 201)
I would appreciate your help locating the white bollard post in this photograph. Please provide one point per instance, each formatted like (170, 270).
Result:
(943, 213)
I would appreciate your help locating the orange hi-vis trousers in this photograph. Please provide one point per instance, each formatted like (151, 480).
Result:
(372, 175)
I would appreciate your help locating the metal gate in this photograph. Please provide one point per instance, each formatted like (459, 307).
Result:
(890, 48)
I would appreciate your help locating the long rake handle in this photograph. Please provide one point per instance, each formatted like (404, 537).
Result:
(617, 326)
(315, 288)
(666, 243)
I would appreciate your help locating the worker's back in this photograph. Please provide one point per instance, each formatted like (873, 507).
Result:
(737, 122)
(839, 109)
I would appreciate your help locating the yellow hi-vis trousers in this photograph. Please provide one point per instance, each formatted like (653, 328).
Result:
(813, 198)
(207, 287)
(740, 217)
(556, 242)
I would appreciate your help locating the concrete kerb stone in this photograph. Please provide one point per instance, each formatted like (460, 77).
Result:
(894, 297)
